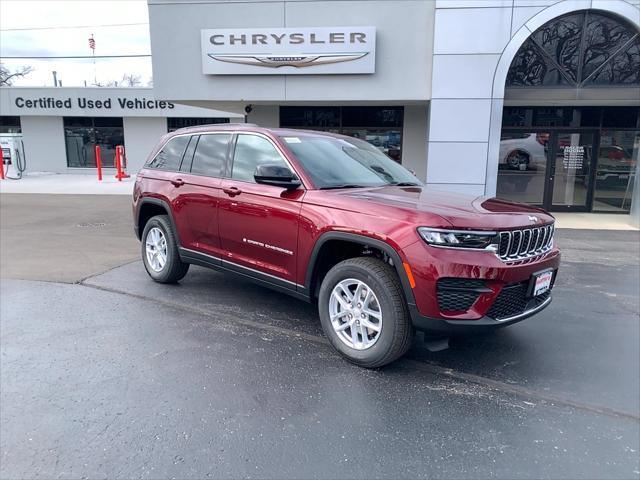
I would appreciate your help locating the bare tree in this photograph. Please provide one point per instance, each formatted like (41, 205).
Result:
(130, 80)
(7, 77)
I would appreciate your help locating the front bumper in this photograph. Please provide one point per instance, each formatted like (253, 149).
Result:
(499, 280)
(440, 326)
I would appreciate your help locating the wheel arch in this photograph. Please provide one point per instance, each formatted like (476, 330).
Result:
(316, 265)
(519, 149)
(150, 207)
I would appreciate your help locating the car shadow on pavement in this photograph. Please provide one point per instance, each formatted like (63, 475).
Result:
(547, 352)
(222, 294)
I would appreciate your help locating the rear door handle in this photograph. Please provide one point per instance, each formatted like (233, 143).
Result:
(232, 191)
(178, 182)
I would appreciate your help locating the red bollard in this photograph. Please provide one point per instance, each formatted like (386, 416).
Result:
(120, 174)
(1, 168)
(98, 162)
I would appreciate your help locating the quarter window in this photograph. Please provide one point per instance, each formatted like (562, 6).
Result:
(210, 155)
(170, 157)
(251, 151)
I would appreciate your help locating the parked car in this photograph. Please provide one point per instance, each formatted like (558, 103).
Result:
(616, 167)
(523, 151)
(330, 219)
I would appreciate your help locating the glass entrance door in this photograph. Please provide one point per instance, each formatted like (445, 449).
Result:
(551, 168)
(523, 166)
(569, 184)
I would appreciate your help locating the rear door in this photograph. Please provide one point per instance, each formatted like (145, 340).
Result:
(164, 179)
(199, 185)
(259, 223)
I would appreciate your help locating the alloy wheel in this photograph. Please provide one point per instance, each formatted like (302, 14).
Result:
(156, 249)
(355, 314)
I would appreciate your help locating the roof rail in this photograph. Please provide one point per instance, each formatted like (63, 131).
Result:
(231, 124)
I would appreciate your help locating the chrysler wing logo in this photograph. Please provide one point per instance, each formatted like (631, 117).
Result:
(297, 61)
(533, 218)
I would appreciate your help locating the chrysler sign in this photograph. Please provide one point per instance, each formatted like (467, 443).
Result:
(290, 51)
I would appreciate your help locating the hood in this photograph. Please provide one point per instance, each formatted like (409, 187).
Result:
(461, 211)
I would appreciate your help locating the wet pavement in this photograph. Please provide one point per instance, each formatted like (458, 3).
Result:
(97, 384)
(119, 377)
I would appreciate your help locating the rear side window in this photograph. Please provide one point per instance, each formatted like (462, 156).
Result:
(170, 156)
(250, 152)
(210, 155)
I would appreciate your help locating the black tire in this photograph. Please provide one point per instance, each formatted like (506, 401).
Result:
(517, 158)
(396, 334)
(174, 269)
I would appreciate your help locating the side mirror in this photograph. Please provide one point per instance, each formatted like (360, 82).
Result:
(276, 175)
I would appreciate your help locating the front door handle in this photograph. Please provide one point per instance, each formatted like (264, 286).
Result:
(178, 182)
(232, 191)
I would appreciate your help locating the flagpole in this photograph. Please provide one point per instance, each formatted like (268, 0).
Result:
(93, 53)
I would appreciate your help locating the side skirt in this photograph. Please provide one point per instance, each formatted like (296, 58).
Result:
(262, 279)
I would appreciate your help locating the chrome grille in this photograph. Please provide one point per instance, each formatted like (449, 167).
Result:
(525, 243)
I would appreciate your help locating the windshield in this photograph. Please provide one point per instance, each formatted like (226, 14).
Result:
(346, 162)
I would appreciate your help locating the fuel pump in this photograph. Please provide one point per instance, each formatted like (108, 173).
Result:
(14, 162)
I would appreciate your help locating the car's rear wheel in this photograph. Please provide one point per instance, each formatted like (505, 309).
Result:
(364, 313)
(517, 159)
(160, 251)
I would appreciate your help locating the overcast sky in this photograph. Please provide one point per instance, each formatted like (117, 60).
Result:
(40, 28)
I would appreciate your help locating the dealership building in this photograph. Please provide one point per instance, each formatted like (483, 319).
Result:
(530, 100)
(56, 129)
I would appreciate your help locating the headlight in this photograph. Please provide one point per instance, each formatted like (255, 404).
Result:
(459, 238)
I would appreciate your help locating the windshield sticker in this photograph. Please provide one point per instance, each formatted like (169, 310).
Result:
(292, 140)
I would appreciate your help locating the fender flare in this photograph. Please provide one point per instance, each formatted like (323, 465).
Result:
(161, 203)
(362, 240)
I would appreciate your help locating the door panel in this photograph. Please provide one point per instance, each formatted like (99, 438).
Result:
(570, 181)
(259, 227)
(198, 192)
(196, 208)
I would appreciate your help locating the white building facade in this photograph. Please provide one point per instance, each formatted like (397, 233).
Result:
(531, 100)
(57, 129)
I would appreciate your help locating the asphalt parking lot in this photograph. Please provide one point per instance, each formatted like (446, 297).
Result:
(105, 374)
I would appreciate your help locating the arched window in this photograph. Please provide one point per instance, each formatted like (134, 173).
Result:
(581, 49)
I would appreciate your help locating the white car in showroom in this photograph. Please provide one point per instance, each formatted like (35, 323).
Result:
(522, 151)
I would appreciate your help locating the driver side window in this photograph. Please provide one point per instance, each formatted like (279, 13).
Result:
(251, 151)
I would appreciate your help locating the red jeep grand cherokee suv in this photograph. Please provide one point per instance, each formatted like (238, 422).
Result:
(330, 219)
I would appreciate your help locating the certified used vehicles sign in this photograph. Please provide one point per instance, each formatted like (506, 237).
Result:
(290, 51)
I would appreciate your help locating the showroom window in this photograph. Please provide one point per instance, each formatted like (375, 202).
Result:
(82, 134)
(10, 124)
(380, 126)
(174, 123)
(570, 158)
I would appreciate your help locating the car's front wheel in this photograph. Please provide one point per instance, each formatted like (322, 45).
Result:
(160, 251)
(364, 313)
